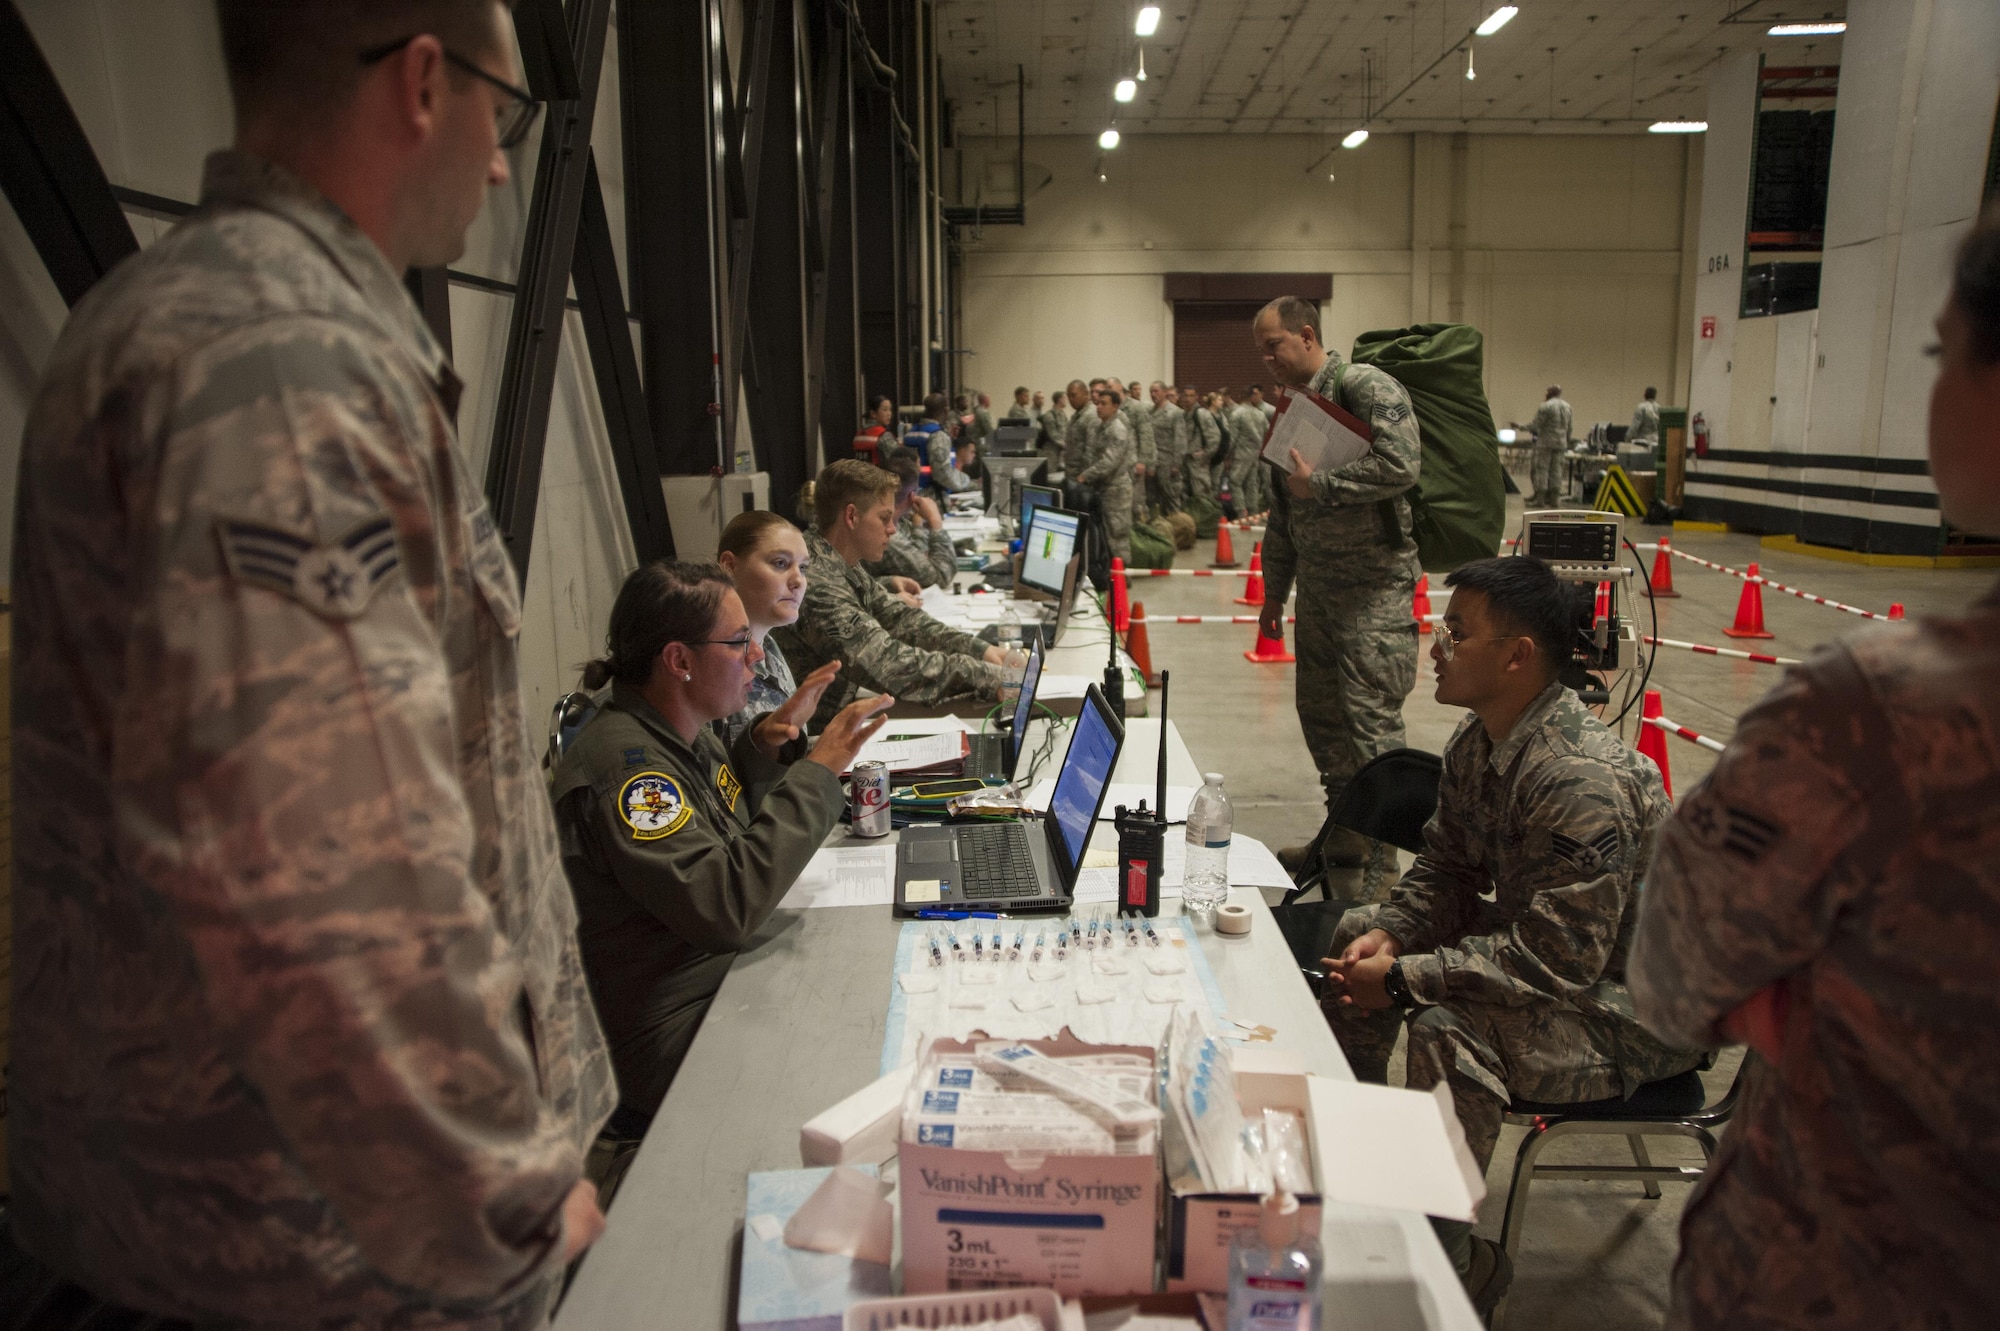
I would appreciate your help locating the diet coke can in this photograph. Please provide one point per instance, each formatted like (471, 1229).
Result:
(868, 793)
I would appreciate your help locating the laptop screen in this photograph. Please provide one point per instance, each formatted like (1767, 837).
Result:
(1086, 770)
(1025, 708)
(1045, 553)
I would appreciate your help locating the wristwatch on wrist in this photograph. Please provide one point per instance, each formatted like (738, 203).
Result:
(1396, 987)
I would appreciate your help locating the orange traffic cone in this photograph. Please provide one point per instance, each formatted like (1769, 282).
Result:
(1139, 647)
(1121, 597)
(1253, 590)
(1421, 607)
(1896, 610)
(1225, 548)
(1750, 610)
(1653, 740)
(1269, 651)
(1663, 572)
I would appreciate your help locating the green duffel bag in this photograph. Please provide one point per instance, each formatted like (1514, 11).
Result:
(1152, 546)
(1207, 515)
(1458, 506)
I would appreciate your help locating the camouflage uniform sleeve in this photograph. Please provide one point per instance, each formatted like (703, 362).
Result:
(1209, 435)
(891, 648)
(943, 557)
(716, 886)
(1114, 459)
(944, 470)
(1392, 465)
(1745, 884)
(306, 822)
(1434, 900)
(1076, 443)
(1558, 945)
(1145, 444)
(1281, 557)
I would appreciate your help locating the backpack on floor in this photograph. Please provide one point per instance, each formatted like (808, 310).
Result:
(1152, 546)
(1182, 526)
(1207, 515)
(1458, 507)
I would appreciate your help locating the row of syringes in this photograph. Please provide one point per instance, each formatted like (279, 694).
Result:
(1086, 936)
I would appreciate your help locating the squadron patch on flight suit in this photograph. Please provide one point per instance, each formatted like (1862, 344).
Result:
(727, 786)
(335, 581)
(653, 806)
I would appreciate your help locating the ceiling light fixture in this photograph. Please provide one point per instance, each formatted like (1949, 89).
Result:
(1678, 127)
(1125, 91)
(1497, 20)
(1355, 139)
(1149, 20)
(1470, 72)
(1142, 64)
(1109, 139)
(1808, 29)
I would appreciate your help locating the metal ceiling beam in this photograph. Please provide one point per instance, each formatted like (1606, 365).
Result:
(50, 173)
(563, 54)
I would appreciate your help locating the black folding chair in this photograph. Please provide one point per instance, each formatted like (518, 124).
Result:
(1388, 800)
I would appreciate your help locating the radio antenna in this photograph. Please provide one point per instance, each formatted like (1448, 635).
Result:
(1160, 795)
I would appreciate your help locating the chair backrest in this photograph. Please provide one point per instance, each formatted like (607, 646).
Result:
(571, 714)
(1391, 798)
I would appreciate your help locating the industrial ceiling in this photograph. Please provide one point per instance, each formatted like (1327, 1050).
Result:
(1329, 66)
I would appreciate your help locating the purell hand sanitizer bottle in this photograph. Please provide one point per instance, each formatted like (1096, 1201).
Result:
(1275, 1271)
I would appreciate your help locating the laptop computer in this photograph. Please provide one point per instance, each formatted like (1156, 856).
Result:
(1029, 865)
(1024, 711)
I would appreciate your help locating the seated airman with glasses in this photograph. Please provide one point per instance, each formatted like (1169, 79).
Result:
(1548, 813)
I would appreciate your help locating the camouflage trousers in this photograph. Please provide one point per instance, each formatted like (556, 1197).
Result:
(1117, 501)
(1200, 477)
(1142, 496)
(1546, 472)
(1246, 481)
(1351, 686)
(1483, 1052)
(1170, 483)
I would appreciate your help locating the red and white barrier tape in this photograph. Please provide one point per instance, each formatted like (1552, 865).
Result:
(1206, 619)
(1707, 650)
(1781, 587)
(1675, 728)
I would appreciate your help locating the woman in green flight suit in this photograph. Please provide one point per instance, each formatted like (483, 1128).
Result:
(679, 849)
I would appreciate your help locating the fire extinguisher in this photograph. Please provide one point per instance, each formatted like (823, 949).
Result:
(1700, 435)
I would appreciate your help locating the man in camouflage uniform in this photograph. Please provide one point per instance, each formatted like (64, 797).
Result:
(1138, 420)
(1204, 445)
(921, 551)
(1553, 815)
(1646, 420)
(1053, 437)
(300, 1029)
(882, 644)
(1100, 457)
(1344, 537)
(1831, 897)
(1247, 428)
(1170, 433)
(1552, 428)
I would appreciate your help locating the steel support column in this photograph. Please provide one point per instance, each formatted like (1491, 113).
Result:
(563, 54)
(830, 365)
(881, 213)
(50, 173)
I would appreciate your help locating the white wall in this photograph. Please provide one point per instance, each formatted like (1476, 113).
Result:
(146, 81)
(1570, 259)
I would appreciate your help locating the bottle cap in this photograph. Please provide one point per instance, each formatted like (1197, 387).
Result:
(1213, 778)
(1280, 1222)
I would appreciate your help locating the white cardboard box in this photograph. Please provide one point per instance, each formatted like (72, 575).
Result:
(1371, 1146)
(1080, 1224)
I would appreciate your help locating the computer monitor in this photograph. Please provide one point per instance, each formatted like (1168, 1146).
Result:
(1016, 437)
(1037, 496)
(1024, 709)
(1051, 539)
(1086, 773)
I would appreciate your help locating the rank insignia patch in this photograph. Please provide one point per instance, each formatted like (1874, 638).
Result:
(653, 806)
(334, 581)
(1392, 412)
(1589, 856)
(635, 757)
(1724, 827)
(727, 786)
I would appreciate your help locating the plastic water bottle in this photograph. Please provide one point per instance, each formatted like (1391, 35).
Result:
(1010, 642)
(1205, 880)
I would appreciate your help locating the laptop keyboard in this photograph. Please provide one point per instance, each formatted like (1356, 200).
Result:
(995, 862)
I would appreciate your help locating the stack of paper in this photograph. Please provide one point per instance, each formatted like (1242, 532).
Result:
(1325, 434)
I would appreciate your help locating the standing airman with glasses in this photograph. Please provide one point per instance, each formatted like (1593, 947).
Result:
(301, 1029)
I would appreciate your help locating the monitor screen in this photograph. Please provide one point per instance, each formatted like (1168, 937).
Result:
(1037, 496)
(1046, 549)
(1086, 770)
(1024, 708)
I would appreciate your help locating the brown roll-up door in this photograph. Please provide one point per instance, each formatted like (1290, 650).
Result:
(1212, 346)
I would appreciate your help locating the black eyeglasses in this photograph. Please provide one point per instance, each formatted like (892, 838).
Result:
(513, 119)
(741, 646)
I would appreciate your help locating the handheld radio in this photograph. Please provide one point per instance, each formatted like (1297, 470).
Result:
(1142, 837)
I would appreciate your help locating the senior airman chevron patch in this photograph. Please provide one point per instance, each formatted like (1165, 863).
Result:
(335, 581)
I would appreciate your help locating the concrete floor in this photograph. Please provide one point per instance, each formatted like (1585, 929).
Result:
(1593, 1255)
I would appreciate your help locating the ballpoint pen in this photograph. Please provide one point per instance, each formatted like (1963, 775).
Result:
(958, 915)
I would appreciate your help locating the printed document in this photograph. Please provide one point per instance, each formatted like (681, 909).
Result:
(1326, 434)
